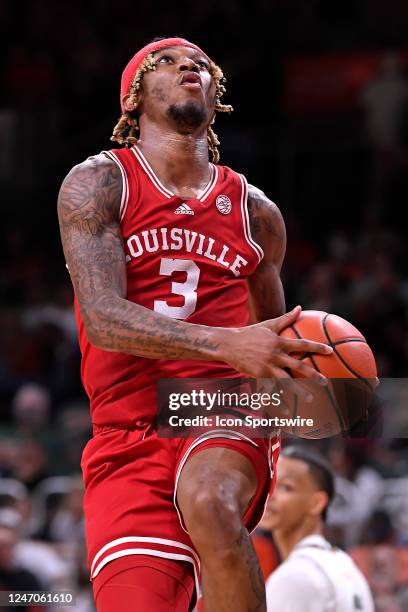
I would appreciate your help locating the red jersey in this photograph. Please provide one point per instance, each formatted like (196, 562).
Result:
(187, 259)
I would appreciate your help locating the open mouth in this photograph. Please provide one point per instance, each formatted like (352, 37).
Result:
(190, 79)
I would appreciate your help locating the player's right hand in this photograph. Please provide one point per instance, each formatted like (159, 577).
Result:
(258, 351)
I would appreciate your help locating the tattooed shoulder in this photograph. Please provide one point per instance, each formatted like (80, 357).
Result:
(264, 215)
(265, 219)
(90, 195)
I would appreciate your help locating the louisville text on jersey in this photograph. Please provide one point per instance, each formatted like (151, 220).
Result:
(188, 241)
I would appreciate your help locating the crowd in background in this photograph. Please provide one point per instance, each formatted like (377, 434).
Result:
(340, 180)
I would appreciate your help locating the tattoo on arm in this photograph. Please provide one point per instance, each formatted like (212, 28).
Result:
(267, 226)
(268, 230)
(88, 211)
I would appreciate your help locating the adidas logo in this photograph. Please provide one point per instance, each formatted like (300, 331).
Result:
(184, 209)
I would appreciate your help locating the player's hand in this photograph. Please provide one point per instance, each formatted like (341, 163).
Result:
(258, 351)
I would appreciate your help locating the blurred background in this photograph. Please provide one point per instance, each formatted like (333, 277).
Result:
(320, 91)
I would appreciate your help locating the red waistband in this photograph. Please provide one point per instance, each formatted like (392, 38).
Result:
(137, 425)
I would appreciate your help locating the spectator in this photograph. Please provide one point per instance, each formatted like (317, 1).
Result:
(31, 409)
(31, 463)
(12, 576)
(68, 523)
(383, 562)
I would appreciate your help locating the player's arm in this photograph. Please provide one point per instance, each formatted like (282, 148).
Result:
(268, 230)
(88, 210)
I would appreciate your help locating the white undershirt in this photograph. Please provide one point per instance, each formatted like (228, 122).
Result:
(318, 578)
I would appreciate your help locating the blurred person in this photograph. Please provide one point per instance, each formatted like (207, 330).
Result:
(31, 408)
(384, 100)
(36, 557)
(383, 561)
(31, 411)
(31, 463)
(157, 298)
(314, 575)
(75, 429)
(14, 494)
(8, 456)
(12, 576)
(359, 486)
(46, 563)
(68, 523)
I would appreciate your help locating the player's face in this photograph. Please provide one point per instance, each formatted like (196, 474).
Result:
(181, 88)
(294, 498)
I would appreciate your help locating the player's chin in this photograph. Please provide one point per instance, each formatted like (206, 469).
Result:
(188, 113)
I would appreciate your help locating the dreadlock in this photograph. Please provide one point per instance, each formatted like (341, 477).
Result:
(127, 132)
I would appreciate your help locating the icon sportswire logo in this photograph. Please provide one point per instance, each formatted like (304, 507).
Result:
(184, 209)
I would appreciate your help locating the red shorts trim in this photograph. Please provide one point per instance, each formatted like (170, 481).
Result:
(136, 545)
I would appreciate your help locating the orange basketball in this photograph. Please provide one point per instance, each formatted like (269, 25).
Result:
(351, 369)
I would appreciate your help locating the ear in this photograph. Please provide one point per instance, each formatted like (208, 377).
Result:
(318, 503)
(128, 104)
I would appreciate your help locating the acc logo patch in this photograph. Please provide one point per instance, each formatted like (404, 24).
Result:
(223, 203)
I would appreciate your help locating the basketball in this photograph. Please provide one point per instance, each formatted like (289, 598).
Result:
(351, 370)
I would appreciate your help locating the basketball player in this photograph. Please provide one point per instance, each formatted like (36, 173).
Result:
(314, 577)
(164, 249)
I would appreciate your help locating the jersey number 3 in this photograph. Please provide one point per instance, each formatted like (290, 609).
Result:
(187, 289)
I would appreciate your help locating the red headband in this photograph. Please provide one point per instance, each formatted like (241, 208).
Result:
(132, 67)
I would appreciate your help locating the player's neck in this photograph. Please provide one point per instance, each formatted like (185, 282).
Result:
(286, 541)
(179, 160)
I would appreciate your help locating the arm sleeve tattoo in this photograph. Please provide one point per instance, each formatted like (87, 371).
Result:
(88, 211)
